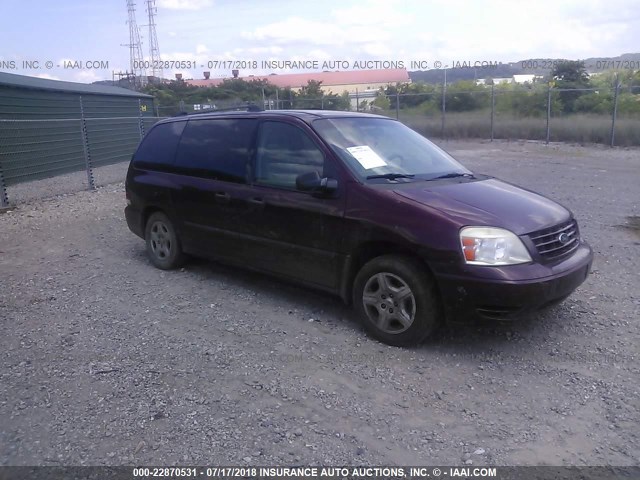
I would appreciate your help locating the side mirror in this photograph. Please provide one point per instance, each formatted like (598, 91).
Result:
(311, 182)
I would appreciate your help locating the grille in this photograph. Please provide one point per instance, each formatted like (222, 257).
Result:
(548, 244)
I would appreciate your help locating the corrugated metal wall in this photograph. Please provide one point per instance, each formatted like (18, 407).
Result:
(47, 133)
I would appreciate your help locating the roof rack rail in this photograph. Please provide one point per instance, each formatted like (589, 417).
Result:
(250, 107)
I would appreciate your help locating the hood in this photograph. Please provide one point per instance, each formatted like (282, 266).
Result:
(490, 202)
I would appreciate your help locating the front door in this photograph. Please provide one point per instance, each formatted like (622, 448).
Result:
(294, 233)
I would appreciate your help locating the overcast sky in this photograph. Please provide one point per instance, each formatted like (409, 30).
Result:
(345, 30)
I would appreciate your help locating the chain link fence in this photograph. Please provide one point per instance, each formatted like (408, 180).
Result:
(609, 115)
(52, 139)
(604, 116)
(55, 139)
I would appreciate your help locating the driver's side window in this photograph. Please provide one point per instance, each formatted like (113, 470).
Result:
(284, 152)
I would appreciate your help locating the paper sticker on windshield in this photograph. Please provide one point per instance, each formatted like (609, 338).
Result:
(367, 157)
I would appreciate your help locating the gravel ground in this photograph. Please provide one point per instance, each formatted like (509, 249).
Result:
(105, 360)
(65, 184)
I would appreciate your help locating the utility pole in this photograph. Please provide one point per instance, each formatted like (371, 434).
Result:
(136, 60)
(444, 101)
(154, 49)
(615, 111)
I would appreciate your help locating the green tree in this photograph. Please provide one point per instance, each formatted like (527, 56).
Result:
(382, 102)
(340, 102)
(629, 104)
(598, 102)
(465, 95)
(524, 101)
(413, 94)
(571, 72)
(634, 81)
(311, 96)
(569, 75)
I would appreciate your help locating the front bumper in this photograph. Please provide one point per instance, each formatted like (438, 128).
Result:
(507, 292)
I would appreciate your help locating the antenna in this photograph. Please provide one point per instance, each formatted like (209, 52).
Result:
(154, 49)
(136, 60)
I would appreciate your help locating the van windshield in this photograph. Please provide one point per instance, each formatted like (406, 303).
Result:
(382, 150)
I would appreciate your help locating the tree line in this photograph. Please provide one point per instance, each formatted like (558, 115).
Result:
(233, 91)
(572, 91)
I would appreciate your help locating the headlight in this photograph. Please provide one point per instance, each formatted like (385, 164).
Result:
(492, 246)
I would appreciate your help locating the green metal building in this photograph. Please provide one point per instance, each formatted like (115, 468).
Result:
(49, 127)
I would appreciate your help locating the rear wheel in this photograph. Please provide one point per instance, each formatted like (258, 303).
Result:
(396, 300)
(163, 244)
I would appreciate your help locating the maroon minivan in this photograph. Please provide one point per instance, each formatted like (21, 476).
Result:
(355, 204)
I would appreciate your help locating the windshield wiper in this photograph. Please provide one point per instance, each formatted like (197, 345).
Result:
(391, 176)
(453, 175)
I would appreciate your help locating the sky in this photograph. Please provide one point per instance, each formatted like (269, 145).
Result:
(433, 32)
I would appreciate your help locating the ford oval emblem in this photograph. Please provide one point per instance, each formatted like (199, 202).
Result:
(563, 238)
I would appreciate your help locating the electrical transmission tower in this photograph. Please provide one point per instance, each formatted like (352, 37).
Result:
(136, 60)
(154, 49)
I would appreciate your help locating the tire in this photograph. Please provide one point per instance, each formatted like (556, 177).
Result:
(410, 317)
(163, 244)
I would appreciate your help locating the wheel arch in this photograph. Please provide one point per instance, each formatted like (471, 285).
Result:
(369, 250)
(150, 210)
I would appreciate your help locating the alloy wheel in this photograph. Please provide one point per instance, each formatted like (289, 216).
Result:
(161, 242)
(389, 302)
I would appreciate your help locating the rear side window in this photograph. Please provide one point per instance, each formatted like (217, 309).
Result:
(158, 148)
(217, 148)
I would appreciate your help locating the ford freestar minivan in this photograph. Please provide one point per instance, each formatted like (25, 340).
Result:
(355, 204)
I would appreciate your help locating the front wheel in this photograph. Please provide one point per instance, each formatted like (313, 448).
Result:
(396, 300)
(163, 244)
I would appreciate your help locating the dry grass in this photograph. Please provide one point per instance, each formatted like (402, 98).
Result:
(581, 128)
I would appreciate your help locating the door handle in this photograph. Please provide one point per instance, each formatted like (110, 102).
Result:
(256, 203)
(223, 197)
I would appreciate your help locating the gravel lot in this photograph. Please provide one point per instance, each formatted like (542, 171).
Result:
(105, 360)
